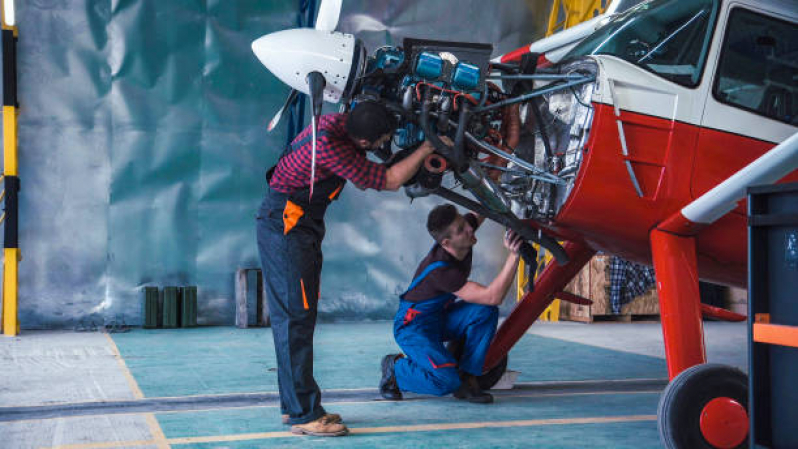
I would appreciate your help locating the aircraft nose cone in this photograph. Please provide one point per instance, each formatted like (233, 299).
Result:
(291, 54)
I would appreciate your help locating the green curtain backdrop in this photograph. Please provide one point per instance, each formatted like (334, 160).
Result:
(143, 146)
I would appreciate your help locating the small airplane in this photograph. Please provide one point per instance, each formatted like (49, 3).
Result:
(636, 134)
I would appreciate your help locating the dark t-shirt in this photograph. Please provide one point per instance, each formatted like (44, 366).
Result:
(446, 279)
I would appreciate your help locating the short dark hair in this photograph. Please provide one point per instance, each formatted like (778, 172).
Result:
(369, 120)
(439, 219)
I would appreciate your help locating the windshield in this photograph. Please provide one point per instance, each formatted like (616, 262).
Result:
(668, 37)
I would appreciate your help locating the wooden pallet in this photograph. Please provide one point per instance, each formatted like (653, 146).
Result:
(627, 318)
(592, 282)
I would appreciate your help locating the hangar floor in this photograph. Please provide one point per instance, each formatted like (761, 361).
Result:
(215, 387)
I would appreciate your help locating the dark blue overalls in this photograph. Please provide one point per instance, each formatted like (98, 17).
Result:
(421, 329)
(290, 231)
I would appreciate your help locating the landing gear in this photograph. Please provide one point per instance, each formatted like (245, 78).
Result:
(705, 406)
(489, 378)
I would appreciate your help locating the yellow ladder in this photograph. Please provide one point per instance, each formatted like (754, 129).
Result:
(567, 13)
(552, 312)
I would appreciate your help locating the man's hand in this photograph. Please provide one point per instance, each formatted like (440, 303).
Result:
(403, 170)
(513, 241)
(446, 140)
(429, 147)
(494, 294)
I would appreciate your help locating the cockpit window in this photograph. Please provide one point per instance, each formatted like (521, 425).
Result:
(758, 68)
(668, 37)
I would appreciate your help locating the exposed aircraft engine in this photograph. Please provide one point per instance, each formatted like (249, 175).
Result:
(555, 128)
(516, 135)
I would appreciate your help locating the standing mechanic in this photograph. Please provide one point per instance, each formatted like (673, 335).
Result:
(428, 314)
(290, 230)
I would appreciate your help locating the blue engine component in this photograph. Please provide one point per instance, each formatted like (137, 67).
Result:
(429, 65)
(465, 76)
(386, 58)
(408, 136)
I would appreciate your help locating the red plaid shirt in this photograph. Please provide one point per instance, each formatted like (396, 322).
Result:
(336, 154)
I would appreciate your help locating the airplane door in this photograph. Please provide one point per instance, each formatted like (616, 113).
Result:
(752, 103)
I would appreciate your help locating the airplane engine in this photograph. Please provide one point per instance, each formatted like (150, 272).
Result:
(555, 129)
(517, 132)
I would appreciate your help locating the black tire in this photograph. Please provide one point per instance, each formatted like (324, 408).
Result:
(488, 379)
(681, 404)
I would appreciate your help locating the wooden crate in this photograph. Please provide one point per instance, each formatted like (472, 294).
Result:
(593, 283)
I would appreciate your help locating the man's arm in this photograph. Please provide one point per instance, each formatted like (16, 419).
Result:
(494, 294)
(403, 170)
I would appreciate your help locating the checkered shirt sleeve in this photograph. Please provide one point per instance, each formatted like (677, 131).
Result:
(345, 160)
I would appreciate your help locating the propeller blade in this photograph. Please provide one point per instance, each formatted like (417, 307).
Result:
(329, 11)
(291, 96)
(313, 123)
(316, 84)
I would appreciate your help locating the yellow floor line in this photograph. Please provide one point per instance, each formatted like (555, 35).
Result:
(376, 430)
(159, 439)
(128, 375)
(157, 433)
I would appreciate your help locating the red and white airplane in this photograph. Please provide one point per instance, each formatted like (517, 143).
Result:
(636, 134)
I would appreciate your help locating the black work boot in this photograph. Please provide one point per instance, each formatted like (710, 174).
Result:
(469, 390)
(388, 388)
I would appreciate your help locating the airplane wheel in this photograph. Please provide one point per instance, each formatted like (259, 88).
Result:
(488, 379)
(705, 406)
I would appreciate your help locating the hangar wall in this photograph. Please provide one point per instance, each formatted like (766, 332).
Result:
(143, 147)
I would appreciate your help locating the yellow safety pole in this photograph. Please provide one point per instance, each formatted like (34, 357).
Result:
(11, 252)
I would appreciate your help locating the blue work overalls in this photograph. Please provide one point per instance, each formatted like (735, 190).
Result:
(421, 328)
(290, 230)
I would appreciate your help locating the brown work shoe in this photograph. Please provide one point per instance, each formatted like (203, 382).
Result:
(333, 417)
(322, 427)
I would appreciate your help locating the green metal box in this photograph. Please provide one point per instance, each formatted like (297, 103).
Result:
(150, 307)
(188, 310)
(171, 307)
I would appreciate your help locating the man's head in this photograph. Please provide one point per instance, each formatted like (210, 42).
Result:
(370, 125)
(450, 229)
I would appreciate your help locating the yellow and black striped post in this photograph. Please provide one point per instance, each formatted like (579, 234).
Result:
(10, 216)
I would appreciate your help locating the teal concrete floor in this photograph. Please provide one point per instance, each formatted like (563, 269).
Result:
(218, 361)
(215, 387)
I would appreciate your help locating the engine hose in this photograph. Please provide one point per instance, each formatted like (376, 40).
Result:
(435, 164)
(484, 189)
(462, 124)
(457, 158)
(443, 117)
(509, 220)
(512, 122)
(399, 109)
(510, 135)
(544, 135)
